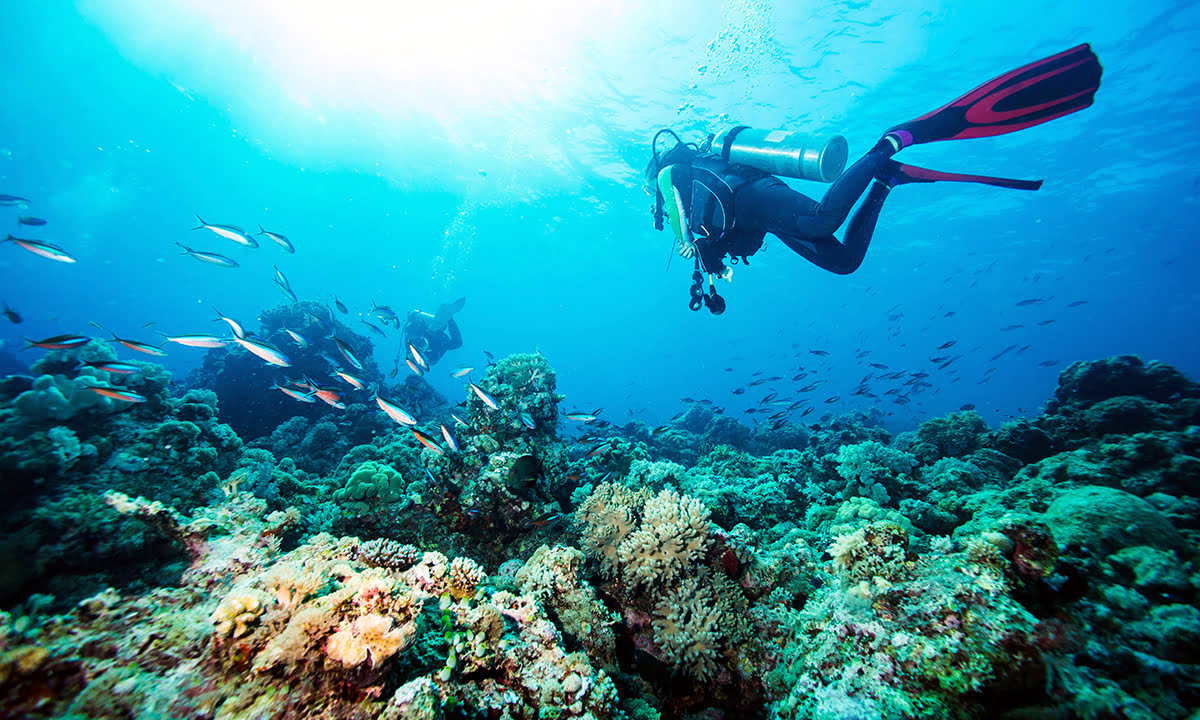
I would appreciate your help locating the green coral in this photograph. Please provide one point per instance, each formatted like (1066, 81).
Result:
(954, 435)
(874, 470)
(58, 397)
(369, 485)
(519, 384)
(1101, 520)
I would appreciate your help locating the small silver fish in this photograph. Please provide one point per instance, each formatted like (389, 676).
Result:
(264, 350)
(280, 239)
(239, 330)
(295, 394)
(200, 341)
(297, 338)
(229, 232)
(352, 379)
(348, 353)
(487, 399)
(374, 329)
(210, 258)
(395, 412)
(450, 441)
(43, 249)
(287, 291)
(416, 355)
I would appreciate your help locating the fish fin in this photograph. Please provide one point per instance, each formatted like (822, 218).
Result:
(202, 224)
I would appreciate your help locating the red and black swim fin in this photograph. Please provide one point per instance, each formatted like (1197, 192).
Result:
(1030, 95)
(895, 173)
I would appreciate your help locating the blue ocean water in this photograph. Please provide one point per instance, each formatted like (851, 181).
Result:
(416, 154)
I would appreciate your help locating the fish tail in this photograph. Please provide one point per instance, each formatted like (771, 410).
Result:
(261, 230)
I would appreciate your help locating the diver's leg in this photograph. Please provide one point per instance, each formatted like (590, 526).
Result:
(843, 257)
(770, 205)
(844, 192)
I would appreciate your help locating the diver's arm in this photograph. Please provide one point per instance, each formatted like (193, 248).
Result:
(673, 207)
(455, 336)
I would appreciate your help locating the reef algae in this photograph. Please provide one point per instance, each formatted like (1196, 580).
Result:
(1043, 569)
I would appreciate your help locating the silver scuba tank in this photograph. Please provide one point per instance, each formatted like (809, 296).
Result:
(780, 152)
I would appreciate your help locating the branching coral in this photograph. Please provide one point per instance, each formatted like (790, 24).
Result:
(607, 517)
(686, 628)
(876, 553)
(673, 535)
(465, 576)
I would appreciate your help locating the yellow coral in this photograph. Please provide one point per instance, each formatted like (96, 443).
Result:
(292, 582)
(465, 576)
(370, 636)
(238, 611)
(298, 639)
(607, 517)
(877, 550)
(673, 535)
(686, 628)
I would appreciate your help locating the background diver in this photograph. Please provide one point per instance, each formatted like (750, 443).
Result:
(720, 200)
(434, 335)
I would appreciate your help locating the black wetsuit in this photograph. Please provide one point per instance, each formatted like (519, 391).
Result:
(433, 345)
(731, 207)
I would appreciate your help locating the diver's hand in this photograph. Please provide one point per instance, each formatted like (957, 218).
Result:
(686, 250)
(727, 275)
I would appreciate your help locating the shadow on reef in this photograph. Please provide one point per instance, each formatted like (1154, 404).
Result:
(482, 565)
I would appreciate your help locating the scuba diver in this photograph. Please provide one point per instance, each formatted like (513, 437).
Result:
(434, 335)
(722, 197)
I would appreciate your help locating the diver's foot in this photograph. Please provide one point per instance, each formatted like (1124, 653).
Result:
(894, 141)
(892, 174)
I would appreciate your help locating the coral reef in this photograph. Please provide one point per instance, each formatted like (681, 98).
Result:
(154, 564)
(344, 638)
